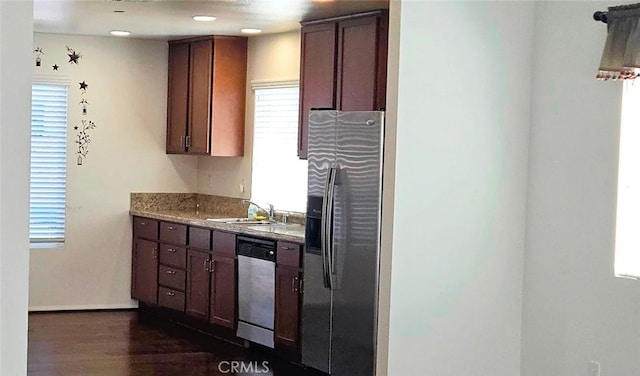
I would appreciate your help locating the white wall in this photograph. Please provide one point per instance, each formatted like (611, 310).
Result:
(16, 33)
(127, 96)
(460, 188)
(273, 57)
(575, 309)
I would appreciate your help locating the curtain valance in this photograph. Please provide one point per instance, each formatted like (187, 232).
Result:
(621, 54)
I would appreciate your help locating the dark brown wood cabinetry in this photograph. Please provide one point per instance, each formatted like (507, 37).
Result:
(288, 296)
(196, 273)
(343, 66)
(223, 291)
(144, 263)
(190, 274)
(317, 75)
(223, 280)
(206, 96)
(171, 269)
(178, 98)
(144, 283)
(198, 284)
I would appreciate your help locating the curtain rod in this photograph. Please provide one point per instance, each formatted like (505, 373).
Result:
(600, 16)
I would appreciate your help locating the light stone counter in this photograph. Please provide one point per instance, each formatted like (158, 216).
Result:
(291, 232)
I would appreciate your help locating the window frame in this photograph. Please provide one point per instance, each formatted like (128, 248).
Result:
(256, 86)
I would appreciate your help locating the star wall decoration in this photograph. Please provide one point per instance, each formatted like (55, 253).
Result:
(73, 55)
(83, 86)
(55, 67)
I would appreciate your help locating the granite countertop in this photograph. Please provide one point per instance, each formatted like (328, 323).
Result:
(289, 232)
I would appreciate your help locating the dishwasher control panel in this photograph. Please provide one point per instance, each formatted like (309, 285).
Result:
(257, 248)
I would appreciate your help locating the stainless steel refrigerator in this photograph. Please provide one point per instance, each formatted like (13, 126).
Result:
(342, 244)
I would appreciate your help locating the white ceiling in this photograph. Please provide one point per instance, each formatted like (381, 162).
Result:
(172, 19)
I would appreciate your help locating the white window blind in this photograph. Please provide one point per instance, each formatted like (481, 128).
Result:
(48, 163)
(278, 176)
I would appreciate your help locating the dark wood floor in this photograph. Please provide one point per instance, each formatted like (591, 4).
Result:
(118, 343)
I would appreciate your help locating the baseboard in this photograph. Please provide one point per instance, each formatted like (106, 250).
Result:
(82, 307)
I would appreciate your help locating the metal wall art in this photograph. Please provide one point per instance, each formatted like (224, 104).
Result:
(39, 52)
(83, 136)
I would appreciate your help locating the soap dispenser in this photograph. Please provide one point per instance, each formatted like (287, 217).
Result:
(252, 212)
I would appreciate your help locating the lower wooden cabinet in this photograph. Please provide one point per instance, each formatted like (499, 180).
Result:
(223, 291)
(197, 292)
(144, 278)
(287, 315)
(193, 272)
(170, 298)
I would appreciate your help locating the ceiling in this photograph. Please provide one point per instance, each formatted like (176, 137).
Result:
(172, 19)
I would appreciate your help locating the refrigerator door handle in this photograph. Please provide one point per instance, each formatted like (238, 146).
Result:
(323, 230)
(330, 207)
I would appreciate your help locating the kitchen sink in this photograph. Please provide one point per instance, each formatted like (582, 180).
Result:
(245, 221)
(280, 228)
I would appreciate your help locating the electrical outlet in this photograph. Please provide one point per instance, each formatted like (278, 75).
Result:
(594, 368)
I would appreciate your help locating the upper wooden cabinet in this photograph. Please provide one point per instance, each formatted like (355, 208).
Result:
(206, 96)
(343, 66)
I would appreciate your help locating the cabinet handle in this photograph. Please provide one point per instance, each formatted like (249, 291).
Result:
(206, 265)
(213, 266)
(288, 248)
(171, 228)
(155, 252)
(300, 285)
(294, 284)
(187, 141)
(171, 294)
(144, 223)
(182, 142)
(171, 272)
(171, 250)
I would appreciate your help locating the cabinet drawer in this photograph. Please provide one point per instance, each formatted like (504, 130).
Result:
(173, 233)
(199, 238)
(145, 228)
(224, 243)
(173, 256)
(288, 254)
(171, 298)
(171, 277)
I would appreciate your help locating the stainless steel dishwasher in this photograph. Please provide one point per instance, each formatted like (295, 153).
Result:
(256, 289)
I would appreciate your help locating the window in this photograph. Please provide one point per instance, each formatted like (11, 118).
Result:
(278, 176)
(48, 163)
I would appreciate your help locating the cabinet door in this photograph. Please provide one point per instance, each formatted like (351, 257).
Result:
(197, 293)
(223, 291)
(229, 88)
(200, 96)
(317, 75)
(144, 278)
(177, 99)
(359, 64)
(287, 307)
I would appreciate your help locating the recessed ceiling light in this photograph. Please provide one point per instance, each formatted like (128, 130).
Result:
(251, 31)
(204, 18)
(120, 33)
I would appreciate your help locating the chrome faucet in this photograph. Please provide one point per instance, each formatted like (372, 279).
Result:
(270, 212)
